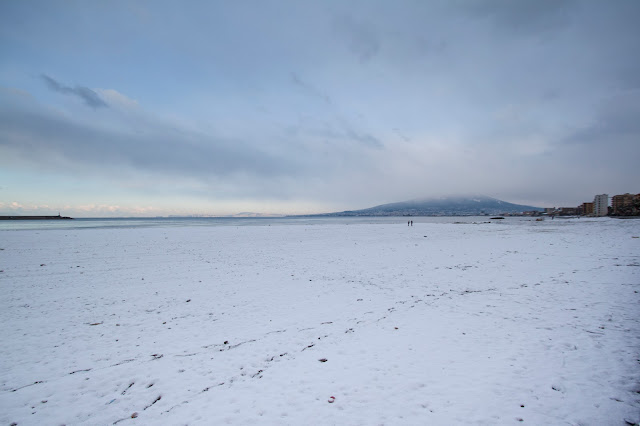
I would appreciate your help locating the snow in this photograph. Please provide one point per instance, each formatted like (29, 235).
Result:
(439, 323)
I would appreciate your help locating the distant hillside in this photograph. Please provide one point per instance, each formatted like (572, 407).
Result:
(442, 206)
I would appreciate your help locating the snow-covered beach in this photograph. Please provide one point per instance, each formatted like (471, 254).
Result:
(350, 324)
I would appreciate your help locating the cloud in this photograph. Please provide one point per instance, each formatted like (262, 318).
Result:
(84, 210)
(115, 98)
(496, 96)
(336, 131)
(113, 210)
(129, 145)
(361, 37)
(137, 152)
(364, 138)
(608, 144)
(145, 143)
(16, 207)
(525, 17)
(309, 88)
(401, 135)
(333, 125)
(616, 117)
(88, 96)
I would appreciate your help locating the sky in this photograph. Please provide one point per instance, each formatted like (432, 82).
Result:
(153, 108)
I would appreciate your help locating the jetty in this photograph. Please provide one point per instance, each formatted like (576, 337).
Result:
(35, 217)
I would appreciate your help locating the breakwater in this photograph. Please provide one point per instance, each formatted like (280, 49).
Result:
(35, 217)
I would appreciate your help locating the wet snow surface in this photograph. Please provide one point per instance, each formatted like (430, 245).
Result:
(489, 323)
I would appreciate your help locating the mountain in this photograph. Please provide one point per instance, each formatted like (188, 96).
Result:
(441, 206)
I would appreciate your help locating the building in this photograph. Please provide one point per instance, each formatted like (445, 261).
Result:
(587, 208)
(568, 211)
(601, 205)
(618, 201)
(626, 205)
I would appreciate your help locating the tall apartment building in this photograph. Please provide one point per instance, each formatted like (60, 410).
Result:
(618, 201)
(587, 208)
(601, 205)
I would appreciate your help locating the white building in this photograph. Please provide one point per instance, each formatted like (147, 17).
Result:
(601, 205)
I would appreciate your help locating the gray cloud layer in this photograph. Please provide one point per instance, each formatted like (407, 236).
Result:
(41, 134)
(363, 101)
(88, 96)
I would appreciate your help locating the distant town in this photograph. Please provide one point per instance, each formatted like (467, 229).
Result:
(624, 205)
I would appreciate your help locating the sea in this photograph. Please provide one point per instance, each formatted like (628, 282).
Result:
(162, 222)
